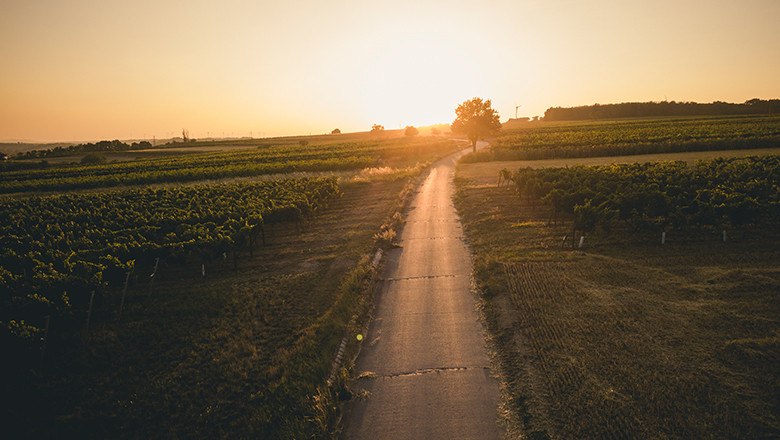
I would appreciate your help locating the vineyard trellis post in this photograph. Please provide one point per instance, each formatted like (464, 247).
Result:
(124, 294)
(154, 273)
(663, 237)
(89, 311)
(47, 322)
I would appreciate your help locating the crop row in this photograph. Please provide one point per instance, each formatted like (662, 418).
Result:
(715, 193)
(612, 138)
(216, 165)
(56, 250)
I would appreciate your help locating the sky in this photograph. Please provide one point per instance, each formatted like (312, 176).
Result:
(77, 70)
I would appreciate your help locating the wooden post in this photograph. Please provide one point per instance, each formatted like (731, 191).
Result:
(724, 235)
(582, 241)
(663, 237)
(563, 243)
(124, 294)
(47, 320)
(203, 269)
(151, 277)
(89, 312)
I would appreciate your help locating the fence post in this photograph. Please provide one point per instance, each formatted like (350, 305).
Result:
(582, 241)
(154, 272)
(124, 294)
(203, 269)
(724, 235)
(47, 320)
(663, 237)
(563, 243)
(89, 312)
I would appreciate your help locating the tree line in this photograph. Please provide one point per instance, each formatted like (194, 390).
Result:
(664, 108)
(102, 146)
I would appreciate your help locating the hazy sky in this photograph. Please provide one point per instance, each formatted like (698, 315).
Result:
(105, 69)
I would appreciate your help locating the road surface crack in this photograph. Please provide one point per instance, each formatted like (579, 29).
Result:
(422, 277)
(420, 372)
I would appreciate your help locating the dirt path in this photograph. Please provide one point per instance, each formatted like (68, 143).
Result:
(424, 362)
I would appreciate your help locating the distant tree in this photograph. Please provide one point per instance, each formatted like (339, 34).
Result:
(476, 119)
(3, 156)
(335, 131)
(376, 128)
(93, 159)
(185, 135)
(411, 131)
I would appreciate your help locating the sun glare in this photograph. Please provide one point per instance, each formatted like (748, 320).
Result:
(416, 79)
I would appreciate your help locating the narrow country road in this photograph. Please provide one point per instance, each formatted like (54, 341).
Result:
(424, 362)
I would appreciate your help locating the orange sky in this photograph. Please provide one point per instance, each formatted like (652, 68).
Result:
(90, 70)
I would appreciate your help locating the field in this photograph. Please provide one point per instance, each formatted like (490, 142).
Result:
(626, 337)
(487, 172)
(557, 140)
(231, 163)
(235, 326)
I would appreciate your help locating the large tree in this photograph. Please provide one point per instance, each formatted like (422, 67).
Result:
(476, 119)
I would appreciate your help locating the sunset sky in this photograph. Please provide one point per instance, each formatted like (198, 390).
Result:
(104, 69)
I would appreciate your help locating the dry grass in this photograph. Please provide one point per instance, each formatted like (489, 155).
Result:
(628, 339)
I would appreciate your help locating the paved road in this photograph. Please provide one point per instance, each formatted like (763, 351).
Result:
(424, 359)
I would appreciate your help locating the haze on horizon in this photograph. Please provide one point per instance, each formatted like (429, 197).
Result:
(90, 70)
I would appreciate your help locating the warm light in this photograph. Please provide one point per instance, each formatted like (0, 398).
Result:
(104, 70)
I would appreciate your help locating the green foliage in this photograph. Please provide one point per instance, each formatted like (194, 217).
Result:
(79, 243)
(93, 159)
(665, 108)
(476, 119)
(215, 165)
(736, 192)
(615, 138)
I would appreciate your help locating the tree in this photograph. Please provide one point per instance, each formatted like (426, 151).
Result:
(335, 131)
(376, 128)
(411, 131)
(476, 119)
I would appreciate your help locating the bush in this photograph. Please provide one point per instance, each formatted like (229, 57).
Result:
(93, 159)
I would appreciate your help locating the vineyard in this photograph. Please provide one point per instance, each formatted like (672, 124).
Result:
(555, 140)
(628, 337)
(57, 250)
(731, 192)
(226, 279)
(263, 160)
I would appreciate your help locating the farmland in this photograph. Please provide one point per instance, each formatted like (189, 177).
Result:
(280, 261)
(627, 337)
(232, 163)
(557, 140)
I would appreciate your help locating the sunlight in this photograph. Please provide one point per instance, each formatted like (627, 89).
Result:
(415, 80)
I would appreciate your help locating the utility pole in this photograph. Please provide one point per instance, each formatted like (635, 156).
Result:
(516, 107)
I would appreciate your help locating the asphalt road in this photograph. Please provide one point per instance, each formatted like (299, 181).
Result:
(424, 362)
